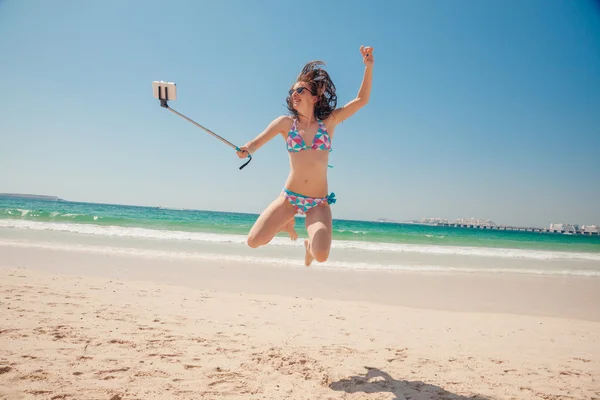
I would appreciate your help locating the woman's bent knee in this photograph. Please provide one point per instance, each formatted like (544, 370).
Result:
(320, 247)
(253, 241)
(256, 240)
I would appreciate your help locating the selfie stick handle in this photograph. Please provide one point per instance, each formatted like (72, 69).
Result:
(163, 103)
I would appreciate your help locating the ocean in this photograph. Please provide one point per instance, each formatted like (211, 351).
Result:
(220, 236)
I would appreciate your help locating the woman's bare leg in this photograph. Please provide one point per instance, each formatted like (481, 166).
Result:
(318, 226)
(275, 218)
(290, 229)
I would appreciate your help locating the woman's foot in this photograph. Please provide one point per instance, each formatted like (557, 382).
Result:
(289, 228)
(308, 257)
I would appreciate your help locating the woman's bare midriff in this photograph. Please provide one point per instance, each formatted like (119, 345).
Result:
(308, 173)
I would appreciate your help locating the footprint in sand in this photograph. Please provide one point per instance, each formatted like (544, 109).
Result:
(582, 359)
(287, 364)
(38, 392)
(228, 382)
(110, 372)
(146, 328)
(60, 396)
(400, 355)
(122, 342)
(163, 356)
(4, 370)
(569, 373)
(154, 373)
(35, 376)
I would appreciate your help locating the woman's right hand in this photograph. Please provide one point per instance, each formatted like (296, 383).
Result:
(243, 152)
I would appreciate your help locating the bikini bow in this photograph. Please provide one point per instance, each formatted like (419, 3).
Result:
(331, 198)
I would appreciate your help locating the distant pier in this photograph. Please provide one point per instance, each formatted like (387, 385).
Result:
(513, 228)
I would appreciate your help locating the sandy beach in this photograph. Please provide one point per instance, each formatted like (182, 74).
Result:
(437, 162)
(77, 325)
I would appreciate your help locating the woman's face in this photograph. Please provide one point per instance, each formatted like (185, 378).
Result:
(302, 98)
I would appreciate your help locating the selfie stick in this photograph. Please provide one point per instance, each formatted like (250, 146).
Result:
(164, 97)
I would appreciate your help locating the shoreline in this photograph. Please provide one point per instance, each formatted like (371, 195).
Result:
(25, 229)
(556, 296)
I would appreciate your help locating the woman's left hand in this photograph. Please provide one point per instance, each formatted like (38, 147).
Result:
(367, 54)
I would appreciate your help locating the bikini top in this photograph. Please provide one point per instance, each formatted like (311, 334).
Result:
(295, 143)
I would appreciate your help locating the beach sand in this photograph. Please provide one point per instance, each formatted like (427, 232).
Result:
(94, 326)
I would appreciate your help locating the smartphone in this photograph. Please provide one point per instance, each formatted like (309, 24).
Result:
(164, 90)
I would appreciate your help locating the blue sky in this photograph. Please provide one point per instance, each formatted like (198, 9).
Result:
(485, 109)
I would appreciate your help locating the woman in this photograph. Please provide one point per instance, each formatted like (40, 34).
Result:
(308, 132)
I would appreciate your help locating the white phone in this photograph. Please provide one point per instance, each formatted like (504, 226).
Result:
(164, 90)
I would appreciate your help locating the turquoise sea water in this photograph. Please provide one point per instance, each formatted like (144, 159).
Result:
(132, 221)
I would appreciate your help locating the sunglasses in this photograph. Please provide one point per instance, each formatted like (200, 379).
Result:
(299, 90)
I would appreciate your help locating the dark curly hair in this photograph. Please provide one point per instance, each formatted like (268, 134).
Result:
(319, 83)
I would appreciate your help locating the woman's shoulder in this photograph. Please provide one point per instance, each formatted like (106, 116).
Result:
(286, 118)
(284, 122)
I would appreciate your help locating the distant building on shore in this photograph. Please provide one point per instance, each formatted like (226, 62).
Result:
(475, 222)
(468, 222)
(563, 228)
(575, 229)
(433, 221)
(590, 229)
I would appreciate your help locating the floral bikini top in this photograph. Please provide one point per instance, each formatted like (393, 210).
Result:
(295, 143)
